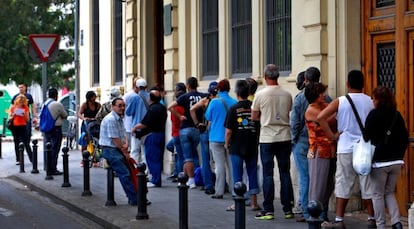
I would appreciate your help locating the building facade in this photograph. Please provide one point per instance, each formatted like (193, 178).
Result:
(166, 41)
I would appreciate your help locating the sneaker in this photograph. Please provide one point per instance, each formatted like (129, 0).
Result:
(150, 185)
(264, 216)
(333, 225)
(297, 210)
(289, 215)
(192, 185)
(372, 223)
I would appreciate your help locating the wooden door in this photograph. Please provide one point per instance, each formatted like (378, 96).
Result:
(387, 59)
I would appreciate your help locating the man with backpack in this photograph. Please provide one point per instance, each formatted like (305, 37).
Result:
(52, 116)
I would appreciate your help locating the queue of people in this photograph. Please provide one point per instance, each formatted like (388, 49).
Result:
(234, 134)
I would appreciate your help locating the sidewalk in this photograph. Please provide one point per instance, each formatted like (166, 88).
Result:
(204, 212)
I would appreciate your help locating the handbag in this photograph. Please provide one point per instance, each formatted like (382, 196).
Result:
(362, 151)
(9, 124)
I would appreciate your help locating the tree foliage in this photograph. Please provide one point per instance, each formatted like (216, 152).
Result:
(19, 19)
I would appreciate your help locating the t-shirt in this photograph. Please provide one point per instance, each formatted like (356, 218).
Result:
(244, 138)
(187, 101)
(176, 122)
(155, 118)
(19, 117)
(274, 105)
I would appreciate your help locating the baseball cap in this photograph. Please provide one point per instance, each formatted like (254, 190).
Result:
(114, 93)
(141, 83)
(212, 88)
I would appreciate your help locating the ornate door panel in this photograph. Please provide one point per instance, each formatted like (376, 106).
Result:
(387, 59)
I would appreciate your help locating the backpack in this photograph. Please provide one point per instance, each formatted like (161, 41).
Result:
(47, 122)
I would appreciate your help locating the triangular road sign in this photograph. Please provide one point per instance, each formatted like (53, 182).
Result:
(44, 44)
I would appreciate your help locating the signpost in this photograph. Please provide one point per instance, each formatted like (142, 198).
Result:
(44, 45)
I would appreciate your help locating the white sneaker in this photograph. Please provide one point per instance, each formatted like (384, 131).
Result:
(192, 185)
(150, 185)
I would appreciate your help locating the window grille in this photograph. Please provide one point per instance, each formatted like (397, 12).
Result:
(210, 49)
(118, 37)
(386, 65)
(95, 35)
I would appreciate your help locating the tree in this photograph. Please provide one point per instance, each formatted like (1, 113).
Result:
(18, 19)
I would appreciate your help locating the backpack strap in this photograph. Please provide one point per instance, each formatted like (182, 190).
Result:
(355, 112)
(144, 100)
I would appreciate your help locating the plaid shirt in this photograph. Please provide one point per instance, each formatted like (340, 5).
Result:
(112, 126)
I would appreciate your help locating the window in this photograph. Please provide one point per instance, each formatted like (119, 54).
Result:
(384, 3)
(210, 55)
(118, 37)
(95, 35)
(386, 65)
(278, 37)
(241, 37)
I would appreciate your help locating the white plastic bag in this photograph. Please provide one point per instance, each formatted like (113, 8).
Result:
(362, 156)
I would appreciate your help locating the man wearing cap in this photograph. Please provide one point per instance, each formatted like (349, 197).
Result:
(106, 108)
(271, 106)
(189, 134)
(137, 107)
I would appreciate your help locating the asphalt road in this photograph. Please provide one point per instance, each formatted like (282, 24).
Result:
(23, 208)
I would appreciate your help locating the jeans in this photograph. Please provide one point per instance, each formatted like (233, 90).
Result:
(300, 151)
(251, 167)
(190, 138)
(55, 137)
(117, 162)
(154, 151)
(205, 160)
(282, 151)
(175, 143)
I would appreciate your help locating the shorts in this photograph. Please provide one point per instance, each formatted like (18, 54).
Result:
(345, 177)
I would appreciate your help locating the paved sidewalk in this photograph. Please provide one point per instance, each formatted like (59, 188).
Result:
(204, 212)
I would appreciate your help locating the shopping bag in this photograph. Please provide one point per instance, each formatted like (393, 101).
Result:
(362, 156)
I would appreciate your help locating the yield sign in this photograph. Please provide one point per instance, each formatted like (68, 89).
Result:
(44, 44)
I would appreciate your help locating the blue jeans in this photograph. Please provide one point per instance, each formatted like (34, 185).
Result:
(117, 161)
(300, 151)
(251, 167)
(55, 137)
(175, 143)
(154, 151)
(205, 160)
(190, 138)
(282, 151)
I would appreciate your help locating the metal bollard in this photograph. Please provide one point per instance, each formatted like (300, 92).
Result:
(65, 157)
(142, 192)
(314, 208)
(48, 153)
(21, 156)
(110, 187)
(34, 156)
(240, 209)
(3, 134)
(86, 184)
(183, 200)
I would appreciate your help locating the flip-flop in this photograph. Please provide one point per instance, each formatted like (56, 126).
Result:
(231, 208)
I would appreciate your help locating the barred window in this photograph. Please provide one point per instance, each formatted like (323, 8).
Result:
(210, 55)
(118, 37)
(386, 65)
(279, 34)
(95, 35)
(241, 37)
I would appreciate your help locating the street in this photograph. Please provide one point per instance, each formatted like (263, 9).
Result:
(21, 207)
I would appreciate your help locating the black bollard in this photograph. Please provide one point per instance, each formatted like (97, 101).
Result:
(48, 153)
(110, 201)
(314, 208)
(65, 157)
(21, 156)
(239, 203)
(34, 156)
(3, 134)
(86, 184)
(142, 192)
(183, 200)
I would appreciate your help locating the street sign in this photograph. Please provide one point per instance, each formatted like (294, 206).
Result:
(44, 44)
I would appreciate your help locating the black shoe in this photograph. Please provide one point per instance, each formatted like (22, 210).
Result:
(397, 225)
(172, 177)
(57, 173)
(174, 180)
(148, 202)
(209, 191)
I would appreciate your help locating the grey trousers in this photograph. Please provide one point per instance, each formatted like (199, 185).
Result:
(384, 181)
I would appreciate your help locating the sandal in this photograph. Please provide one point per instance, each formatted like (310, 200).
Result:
(231, 208)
